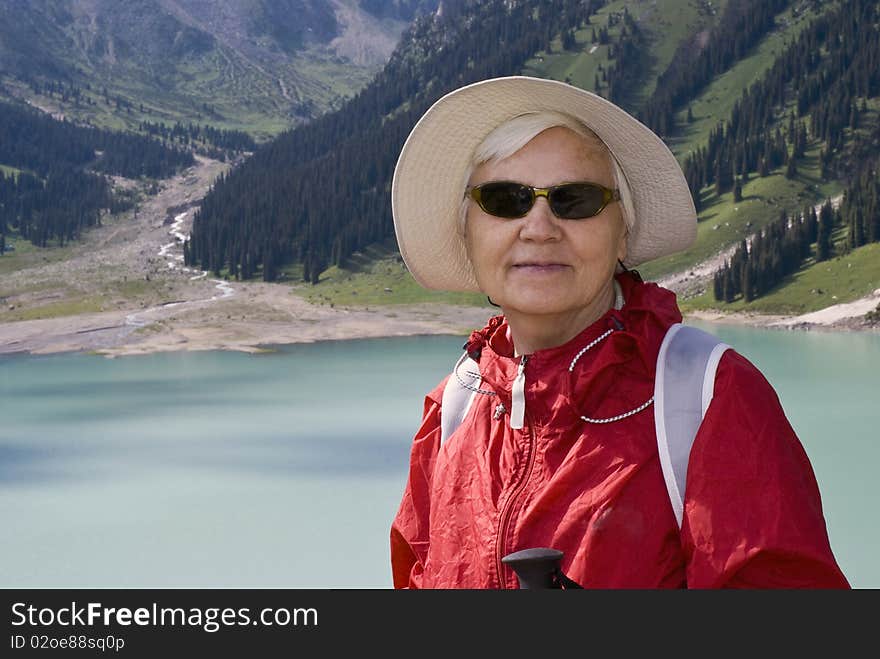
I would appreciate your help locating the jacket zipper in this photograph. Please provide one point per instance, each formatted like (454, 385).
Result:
(517, 406)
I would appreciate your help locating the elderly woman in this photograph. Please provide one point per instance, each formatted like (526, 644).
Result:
(543, 196)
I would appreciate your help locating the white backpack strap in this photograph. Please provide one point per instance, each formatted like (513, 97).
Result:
(458, 395)
(683, 388)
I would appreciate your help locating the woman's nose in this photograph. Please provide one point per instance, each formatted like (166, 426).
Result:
(540, 224)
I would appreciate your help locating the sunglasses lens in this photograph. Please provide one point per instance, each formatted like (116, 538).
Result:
(505, 199)
(577, 200)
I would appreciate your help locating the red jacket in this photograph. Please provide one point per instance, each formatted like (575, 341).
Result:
(752, 517)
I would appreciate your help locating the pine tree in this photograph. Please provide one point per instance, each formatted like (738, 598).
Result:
(746, 285)
(729, 292)
(823, 238)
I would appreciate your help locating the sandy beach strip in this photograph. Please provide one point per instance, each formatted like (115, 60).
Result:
(839, 317)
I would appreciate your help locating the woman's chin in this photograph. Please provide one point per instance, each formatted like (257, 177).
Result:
(536, 305)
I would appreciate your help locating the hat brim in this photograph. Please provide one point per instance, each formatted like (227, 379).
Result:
(428, 186)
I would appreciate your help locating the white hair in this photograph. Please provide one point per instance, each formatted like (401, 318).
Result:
(514, 134)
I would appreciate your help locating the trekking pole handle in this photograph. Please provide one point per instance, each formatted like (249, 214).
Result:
(538, 568)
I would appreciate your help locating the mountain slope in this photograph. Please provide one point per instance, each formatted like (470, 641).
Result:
(255, 65)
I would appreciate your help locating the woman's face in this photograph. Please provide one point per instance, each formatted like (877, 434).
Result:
(541, 266)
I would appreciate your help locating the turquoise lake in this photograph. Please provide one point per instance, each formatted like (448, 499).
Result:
(285, 469)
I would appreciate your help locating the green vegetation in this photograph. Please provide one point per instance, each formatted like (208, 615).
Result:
(129, 289)
(47, 288)
(70, 188)
(46, 299)
(818, 285)
(218, 88)
(665, 30)
(678, 21)
(378, 276)
(164, 105)
(577, 66)
(723, 222)
(69, 306)
(52, 298)
(26, 255)
(716, 102)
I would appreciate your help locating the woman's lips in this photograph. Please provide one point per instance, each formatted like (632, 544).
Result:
(539, 268)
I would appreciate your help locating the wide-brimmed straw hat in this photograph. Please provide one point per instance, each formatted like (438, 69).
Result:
(428, 185)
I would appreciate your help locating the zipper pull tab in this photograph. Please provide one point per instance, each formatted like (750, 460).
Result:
(518, 396)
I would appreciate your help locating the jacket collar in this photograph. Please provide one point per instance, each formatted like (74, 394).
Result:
(639, 327)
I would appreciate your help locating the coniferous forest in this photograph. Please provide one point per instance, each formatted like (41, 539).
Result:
(61, 187)
(741, 26)
(780, 248)
(832, 91)
(826, 89)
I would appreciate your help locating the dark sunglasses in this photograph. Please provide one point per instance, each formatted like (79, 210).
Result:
(568, 201)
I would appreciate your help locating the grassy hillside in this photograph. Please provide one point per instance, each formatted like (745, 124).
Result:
(715, 103)
(253, 65)
(723, 223)
(216, 89)
(816, 286)
(377, 277)
(665, 27)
